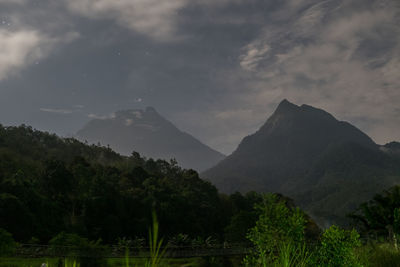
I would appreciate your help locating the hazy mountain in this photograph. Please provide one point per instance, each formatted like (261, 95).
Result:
(147, 132)
(392, 147)
(327, 166)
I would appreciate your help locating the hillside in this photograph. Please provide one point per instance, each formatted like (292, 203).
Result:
(328, 166)
(148, 133)
(50, 184)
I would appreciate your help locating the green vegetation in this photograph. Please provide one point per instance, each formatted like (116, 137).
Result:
(337, 247)
(50, 185)
(380, 217)
(279, 239)
(376, 254)
(7, 243)
(156, 251)
(85, 201)
(279, 227)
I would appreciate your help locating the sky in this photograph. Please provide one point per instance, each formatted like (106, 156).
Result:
(216, 68)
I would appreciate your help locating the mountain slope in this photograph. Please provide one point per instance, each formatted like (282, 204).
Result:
(327, 166)
(148, 133)
(283, 148)
(342, 178)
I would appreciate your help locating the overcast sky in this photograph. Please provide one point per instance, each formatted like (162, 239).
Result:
(215, 68)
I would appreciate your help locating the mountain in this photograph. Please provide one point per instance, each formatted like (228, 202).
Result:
(327, 166)
(392, 147)
(147, 132)
(283, 149)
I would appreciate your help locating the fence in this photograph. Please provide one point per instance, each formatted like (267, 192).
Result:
(37, 251)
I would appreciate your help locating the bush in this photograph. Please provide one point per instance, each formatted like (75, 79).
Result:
(278, 224)
(7, 243)
(377, 255)
(75, 246)
(337, 248)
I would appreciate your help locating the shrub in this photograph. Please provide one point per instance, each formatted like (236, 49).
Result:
(7, 243)
(278, 224)
(76, 246)
(337, 248)
(377, 255)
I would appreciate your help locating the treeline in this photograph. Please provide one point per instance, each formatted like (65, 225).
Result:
(50, 185)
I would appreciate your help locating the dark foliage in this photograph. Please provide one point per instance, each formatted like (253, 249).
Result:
(50, 185)
(380, 217)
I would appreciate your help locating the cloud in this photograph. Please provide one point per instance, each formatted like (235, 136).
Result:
(255, 52)
(238, 59)
(79, 106)
(100, 117)
(21, 48)
(153, 18)
(340, 58)
(58, 111)
(18, 49)
(19, 2)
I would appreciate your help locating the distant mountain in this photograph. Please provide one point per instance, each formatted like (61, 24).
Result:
(147, 132)
(392, 147)
(327, 166)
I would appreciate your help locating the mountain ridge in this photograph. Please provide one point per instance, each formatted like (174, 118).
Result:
(301, 151)
(147, 132)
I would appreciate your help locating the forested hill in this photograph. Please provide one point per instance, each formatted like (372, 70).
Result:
(28, 144)
(50, 185)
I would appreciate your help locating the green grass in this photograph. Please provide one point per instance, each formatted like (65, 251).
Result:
(111, 262)
(121, 262)
(27, 262)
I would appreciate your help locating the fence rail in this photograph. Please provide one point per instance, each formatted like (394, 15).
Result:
(36, 251)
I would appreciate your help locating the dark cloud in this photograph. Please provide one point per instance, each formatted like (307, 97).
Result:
(215, 68)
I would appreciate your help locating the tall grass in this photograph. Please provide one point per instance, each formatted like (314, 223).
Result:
(157, 253)
(291, 255)
(71, 263)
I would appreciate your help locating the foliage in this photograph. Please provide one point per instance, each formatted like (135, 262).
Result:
(380, 217)
(80, 250)
(7, 243)
(278, 226)
(50, 184)
(74, 241)
(242, 214)
(337, 247)
(377, 255)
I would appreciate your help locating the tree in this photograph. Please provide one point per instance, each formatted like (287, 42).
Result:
(380, 216)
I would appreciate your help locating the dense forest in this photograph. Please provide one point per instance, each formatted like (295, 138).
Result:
(50, 185)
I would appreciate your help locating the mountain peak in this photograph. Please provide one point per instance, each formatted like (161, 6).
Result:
(150, 109)
(149, 133)
(286, 106)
